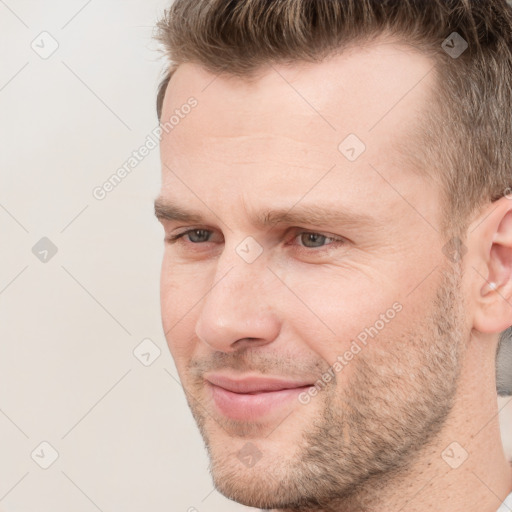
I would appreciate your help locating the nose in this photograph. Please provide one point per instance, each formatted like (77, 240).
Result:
(237, 311)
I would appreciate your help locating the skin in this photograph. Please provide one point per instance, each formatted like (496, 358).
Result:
(373, 439)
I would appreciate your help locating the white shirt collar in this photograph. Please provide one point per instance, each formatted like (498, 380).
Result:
(506, 506)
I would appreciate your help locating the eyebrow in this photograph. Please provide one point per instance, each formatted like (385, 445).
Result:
(299, 214)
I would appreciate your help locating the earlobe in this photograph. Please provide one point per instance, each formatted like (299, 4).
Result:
(488, 287)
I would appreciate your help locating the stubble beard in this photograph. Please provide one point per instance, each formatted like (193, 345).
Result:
(367, 433)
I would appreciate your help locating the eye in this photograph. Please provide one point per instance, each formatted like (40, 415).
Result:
(194, 236)
(312, 240)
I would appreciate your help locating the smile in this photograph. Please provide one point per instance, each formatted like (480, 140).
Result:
(250, 399)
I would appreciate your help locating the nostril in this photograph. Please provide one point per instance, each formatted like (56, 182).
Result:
(253, 342)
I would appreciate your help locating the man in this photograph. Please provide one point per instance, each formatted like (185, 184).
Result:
(338, 247)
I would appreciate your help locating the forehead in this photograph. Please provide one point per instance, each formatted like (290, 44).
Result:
(294, 122)
(358, 87)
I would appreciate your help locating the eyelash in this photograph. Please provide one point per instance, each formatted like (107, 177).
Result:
(335, 241)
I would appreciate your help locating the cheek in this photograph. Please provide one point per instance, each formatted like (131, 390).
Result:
(181, 340)
(181, 288)
(341, 314)
(180, 297)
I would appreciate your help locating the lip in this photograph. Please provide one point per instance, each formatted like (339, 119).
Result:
(252, 397)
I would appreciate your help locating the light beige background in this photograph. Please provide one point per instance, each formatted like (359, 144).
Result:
(68, 326)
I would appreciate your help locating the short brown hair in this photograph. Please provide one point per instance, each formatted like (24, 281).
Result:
(464, 140)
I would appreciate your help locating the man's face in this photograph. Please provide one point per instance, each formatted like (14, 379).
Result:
(350, 289)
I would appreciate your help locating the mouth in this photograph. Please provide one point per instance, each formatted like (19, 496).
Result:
(252, 398)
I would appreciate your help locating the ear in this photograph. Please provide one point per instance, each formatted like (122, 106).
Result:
(490, 237)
